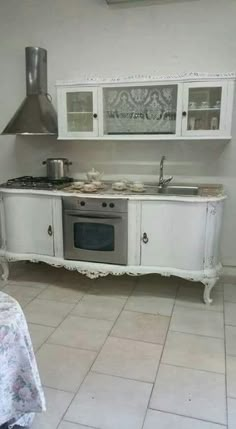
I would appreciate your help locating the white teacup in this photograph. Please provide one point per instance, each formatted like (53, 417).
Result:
(77, 185)
(137, 186)
(97, 184)
(89, 187)
(119, 186)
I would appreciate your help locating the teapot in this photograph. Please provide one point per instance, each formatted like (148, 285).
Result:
(94, 175)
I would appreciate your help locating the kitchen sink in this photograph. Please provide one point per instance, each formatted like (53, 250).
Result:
(178, 190)
(173, 190)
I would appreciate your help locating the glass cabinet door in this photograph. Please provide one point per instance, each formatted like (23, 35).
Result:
(81, 112)
(204, 106)
(150, 109)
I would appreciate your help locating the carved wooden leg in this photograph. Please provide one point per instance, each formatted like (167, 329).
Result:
(5, 267)
(209, 284)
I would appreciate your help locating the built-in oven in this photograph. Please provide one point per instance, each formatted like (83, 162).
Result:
(95, 229)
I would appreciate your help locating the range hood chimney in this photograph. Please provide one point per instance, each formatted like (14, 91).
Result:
(36, 115)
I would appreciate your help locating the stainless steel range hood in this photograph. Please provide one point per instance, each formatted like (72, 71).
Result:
(122, 1)
(36, 115)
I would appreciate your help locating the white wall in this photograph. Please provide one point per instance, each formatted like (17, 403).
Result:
(89, 37)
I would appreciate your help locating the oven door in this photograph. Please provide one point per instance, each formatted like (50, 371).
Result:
(89, 236)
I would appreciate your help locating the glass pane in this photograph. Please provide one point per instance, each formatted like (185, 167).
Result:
(140, 110)
(94, 236)
(80, 122)
(79, 101)
(79, 111)
(204, 108)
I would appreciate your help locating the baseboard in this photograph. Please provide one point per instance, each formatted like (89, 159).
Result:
(229, 271)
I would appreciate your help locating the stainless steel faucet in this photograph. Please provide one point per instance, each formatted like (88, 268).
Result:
(162, 181)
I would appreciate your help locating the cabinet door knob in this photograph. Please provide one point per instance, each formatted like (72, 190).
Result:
(184, 114)
(95, 115)
(50, 230)
(145, 238)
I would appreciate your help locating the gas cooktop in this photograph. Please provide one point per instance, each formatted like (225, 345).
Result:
(30, 182)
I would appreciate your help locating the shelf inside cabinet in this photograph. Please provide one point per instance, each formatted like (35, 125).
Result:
(79, 113)
(206, 109)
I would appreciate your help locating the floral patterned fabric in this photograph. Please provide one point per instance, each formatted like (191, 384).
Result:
(21, 393)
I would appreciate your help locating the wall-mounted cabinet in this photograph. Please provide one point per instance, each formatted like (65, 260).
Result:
(147, 110)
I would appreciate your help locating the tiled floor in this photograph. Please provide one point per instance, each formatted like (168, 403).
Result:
(129, 353)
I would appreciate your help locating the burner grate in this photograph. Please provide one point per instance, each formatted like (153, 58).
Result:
(30, 182)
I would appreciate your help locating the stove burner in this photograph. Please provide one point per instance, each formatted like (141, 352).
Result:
(30, 182)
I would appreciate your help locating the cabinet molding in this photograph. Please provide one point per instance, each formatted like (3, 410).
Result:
(136, 78)
(141, 108)
(183, 237)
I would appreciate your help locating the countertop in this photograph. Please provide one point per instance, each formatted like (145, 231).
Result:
(207, 192)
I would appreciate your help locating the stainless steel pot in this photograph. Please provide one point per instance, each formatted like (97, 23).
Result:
(57, 168)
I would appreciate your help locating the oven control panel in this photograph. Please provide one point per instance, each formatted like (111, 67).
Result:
(96, 204)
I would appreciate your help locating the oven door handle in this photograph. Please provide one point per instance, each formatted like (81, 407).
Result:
(94, 217)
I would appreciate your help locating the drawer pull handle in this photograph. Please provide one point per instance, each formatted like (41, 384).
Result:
(145, 238)
(50, 230)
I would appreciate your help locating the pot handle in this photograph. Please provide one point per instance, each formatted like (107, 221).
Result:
(44, 162)
(68, 163)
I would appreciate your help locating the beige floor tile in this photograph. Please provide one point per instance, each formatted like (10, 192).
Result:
(67, 425)
(230, 292)
(99, 307)
(157, 285)
(82, 332)
(39, 334)
(230, 334)
(57, 402)
(62, 367)
(141, 302)
(33, 285)
(22, 294)
(142, 327)
(129, 359)
(191, 393)
(108, 402)
(49, 313)
(69, 278)
(230, 313)
(160, 420)
(194, 351)
(119, 287)
(231, 413)
(192, 297)
(64, 293)
(40, 274)
(231, 375)
(3, 283)
(189, 320)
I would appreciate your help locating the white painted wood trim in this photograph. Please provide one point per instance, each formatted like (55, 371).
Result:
(156, 137)
(2, 223)
(137, 78)
(230, 105)
(57, 227)
(130, 197)
(134, 223)
(94, 270)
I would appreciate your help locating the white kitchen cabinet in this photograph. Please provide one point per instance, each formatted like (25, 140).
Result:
(206, 109)
(142, 110)
(28, 224)
(173, 234)
(191, 107)
(77, 112)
